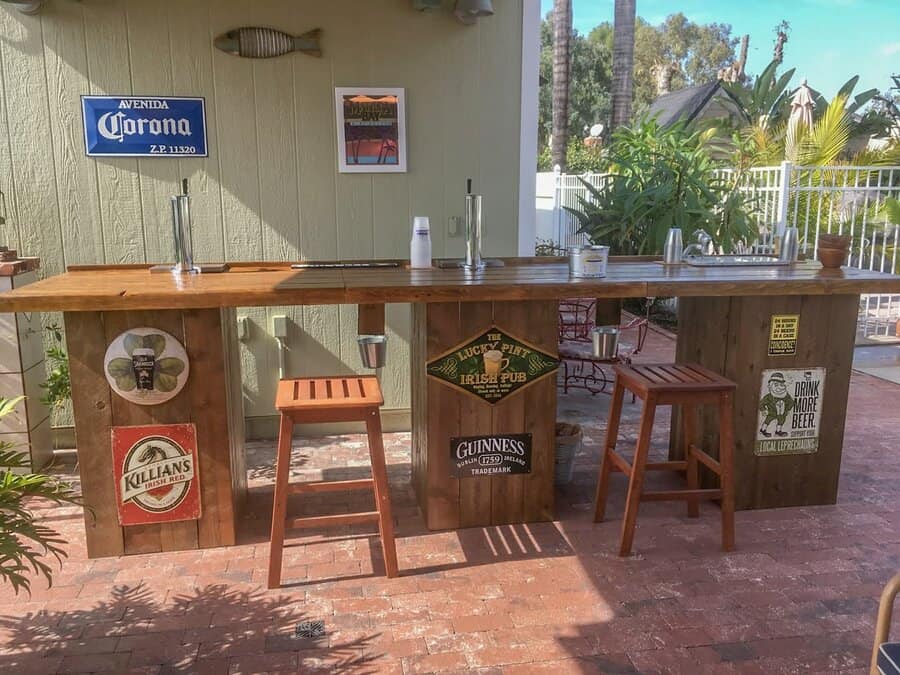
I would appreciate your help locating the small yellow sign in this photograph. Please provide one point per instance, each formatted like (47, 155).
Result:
(783, 334)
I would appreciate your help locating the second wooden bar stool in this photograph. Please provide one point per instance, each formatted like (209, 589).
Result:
(324, 400)
(687, 385)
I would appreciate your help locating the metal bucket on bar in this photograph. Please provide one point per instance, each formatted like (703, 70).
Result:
(372, 350)
(605, 341)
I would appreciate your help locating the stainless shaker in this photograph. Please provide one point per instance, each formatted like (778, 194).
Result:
(790, 245)
(673, 247)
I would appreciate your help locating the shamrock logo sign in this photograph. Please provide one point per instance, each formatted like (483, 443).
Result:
(146, 366)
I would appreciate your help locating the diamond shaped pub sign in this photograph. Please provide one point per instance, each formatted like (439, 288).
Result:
(492, 365)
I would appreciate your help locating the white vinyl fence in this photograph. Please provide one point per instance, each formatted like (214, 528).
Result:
(833, 199)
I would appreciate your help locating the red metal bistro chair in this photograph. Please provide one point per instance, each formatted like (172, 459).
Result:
(580, 369)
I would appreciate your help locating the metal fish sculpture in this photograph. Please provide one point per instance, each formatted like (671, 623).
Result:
(263, 43)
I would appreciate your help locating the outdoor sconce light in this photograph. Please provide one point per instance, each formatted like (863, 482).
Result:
(469, 11)
(26, 6)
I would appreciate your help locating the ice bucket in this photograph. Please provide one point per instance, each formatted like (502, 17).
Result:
(372, 350)
(605, 341)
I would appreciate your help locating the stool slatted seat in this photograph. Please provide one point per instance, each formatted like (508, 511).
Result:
(325, 400)
(687, 385)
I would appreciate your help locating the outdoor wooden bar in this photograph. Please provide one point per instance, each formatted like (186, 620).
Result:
(724, 317)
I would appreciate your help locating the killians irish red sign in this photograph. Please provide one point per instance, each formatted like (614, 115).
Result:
(156, 473)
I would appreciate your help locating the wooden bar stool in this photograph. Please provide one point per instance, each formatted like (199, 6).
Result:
(323, 400)
(687, 385)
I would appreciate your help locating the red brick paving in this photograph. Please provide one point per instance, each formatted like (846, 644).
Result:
(798, 596)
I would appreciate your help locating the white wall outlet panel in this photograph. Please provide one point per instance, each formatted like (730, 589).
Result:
(279, 326)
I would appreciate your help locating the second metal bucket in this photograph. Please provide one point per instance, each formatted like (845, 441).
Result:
(605, 341)
(372, 350)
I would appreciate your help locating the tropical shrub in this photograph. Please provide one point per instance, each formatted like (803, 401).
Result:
(26, 544)
(580, 158)
(662, 177)
(58, 387)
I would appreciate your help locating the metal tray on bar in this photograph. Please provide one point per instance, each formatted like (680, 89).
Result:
(735, 261)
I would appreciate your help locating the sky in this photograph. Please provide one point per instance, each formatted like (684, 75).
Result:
(829, 40)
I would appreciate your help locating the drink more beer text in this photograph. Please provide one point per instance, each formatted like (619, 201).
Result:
(806, 404)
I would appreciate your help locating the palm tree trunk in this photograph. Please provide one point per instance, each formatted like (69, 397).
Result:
(562, 44)
(622, 62)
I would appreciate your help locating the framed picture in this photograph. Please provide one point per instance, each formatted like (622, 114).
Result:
(371, 128)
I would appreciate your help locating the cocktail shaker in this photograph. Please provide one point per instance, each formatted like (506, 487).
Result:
(790, 245)
(673, 247)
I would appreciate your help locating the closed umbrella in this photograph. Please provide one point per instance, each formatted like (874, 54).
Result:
(802, 105)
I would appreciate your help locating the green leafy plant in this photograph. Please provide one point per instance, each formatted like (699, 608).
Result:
(662, 177)
(766, 101)
(26, 544)
(891, 209)
(58, 387)
(165, 374)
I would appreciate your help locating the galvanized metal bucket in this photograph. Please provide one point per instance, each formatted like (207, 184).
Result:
(372, 350)
(605, 341)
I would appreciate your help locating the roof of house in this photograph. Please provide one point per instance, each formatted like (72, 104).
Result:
(685, 103)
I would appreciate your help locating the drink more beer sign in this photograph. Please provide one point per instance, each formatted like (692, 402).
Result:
(156, 473)
(492, 365)
(144, 126)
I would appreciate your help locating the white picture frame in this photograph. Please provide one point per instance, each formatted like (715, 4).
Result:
(376, 145)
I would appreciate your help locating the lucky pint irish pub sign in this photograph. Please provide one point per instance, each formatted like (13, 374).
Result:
(155, 470)
(492, 365)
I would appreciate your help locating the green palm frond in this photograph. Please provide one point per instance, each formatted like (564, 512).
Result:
(26, 544)
(823, 144)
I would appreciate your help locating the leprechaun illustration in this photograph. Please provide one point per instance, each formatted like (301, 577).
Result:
(776, 405)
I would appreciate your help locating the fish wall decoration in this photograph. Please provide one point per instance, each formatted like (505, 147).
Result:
(264, 43)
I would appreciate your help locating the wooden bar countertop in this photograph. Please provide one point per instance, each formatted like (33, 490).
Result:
(129, 287)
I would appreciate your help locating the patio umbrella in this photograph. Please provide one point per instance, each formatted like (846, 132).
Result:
(802, 104)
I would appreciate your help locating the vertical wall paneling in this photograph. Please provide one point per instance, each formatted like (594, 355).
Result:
(120, 214)
(65, 56)
(460, 124)
(269, 189)
(31, 145)
(150, 55)
(192, 75)
(499, 178)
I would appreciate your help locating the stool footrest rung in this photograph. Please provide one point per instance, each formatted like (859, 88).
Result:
(706, 460)
(672, 495)
(331, 485)
(674, 465)
(337, 519)
(619, 463)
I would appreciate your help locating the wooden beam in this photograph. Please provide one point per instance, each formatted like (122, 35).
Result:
(370, 320)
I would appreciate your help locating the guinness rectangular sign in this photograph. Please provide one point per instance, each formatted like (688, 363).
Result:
(496, 455)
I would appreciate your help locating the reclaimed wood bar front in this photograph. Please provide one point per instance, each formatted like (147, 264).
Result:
(467, 331)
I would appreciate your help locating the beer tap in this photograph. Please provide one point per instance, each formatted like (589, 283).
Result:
(181, 231)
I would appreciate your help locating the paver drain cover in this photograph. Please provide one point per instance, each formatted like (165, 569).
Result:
(310, 629)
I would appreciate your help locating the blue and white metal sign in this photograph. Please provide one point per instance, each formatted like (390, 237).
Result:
(144, 126)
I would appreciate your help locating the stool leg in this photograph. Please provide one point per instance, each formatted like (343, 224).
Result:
(382, 492)
(636, 484)
(279, 506)
(689, 417)
(726, 461)
(612, 433)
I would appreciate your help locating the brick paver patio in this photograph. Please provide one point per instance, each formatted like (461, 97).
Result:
(799, 594)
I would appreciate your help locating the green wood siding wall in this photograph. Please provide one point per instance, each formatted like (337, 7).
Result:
(269, 189)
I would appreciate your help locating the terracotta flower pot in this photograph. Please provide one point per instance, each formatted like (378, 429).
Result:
(832, 258)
